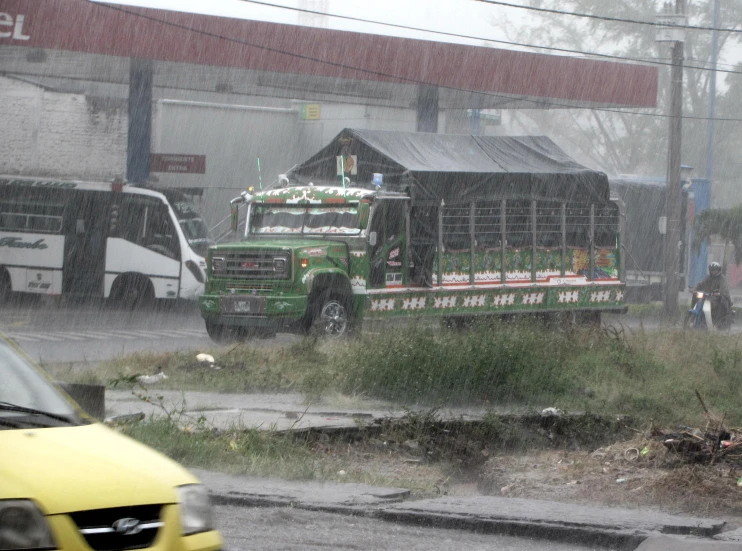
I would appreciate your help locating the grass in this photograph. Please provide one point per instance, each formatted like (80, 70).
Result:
(643, 375)
(503, 366)
(237, 452)
(652, 377)
(285, 455)
(244, 368)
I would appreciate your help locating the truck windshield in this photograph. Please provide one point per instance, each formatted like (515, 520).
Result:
(292, 219)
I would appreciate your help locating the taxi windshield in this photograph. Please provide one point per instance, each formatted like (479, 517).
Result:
(26, 397)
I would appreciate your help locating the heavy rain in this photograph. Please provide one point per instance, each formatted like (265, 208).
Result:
(417, 274)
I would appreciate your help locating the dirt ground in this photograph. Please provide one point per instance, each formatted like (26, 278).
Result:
(633, 473)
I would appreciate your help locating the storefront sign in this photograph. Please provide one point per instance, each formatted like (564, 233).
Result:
(184, 164)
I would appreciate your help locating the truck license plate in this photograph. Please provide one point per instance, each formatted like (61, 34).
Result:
(243, 305)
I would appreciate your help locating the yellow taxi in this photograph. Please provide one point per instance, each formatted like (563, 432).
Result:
(68, 482)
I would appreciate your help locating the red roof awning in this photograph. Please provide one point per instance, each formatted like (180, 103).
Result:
(112, 30)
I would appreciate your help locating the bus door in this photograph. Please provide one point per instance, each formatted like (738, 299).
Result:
(143, 246)
(85, 227)
(387, 244)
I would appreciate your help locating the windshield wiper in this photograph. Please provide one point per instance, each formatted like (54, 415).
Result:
(7, 406)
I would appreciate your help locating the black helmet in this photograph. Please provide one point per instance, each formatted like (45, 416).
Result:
(715, 269)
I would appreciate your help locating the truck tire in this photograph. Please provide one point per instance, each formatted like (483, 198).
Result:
(331, 315)
(223, 334)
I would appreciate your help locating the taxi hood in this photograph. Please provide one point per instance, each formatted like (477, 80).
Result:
(68, 469)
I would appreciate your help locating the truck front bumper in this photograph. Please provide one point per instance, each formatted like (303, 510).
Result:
(252, 310)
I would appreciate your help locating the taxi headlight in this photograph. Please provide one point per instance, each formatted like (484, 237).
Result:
(195, 509)
(23, 526)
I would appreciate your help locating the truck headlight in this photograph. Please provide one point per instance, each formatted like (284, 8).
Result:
(23, 526)
(218, 264)
(195, 509)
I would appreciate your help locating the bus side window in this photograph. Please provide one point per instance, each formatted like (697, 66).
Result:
(12, 221)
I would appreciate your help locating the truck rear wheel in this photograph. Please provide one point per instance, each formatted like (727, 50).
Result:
(331, 315)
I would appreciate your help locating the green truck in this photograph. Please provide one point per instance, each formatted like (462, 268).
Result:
(382, 224)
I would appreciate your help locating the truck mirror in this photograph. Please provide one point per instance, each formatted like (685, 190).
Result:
(372, 238)
(363, 211)
(235, 218)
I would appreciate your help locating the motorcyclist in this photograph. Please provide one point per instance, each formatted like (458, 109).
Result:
(721, 304)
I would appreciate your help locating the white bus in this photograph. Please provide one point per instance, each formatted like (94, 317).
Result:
(125, 243)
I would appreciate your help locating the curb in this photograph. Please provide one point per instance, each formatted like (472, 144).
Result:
(585, 535)
(623, 540)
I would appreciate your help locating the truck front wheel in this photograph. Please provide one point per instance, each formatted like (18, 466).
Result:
(331, 315)
(223, 334)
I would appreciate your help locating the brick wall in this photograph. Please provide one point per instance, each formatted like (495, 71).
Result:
(48, 133)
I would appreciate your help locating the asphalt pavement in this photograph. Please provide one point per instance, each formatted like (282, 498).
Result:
(603, 527)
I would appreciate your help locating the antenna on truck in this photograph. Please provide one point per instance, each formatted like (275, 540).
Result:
(260, 176)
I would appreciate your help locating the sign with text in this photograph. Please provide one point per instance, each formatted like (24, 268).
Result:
(184, 164)
(310, 112)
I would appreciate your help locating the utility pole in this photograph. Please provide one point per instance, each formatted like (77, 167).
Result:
(673, 199)
(712, 94)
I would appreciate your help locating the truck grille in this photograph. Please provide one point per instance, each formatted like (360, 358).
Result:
(119, 528)
(252, 264)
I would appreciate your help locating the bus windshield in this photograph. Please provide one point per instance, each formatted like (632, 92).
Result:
(195, 229)
(317, 220)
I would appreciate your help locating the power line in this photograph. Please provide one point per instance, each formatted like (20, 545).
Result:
(380, 73)
(469, 37)
(604, 17)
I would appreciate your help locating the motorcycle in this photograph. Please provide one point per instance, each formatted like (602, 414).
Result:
(699, 316)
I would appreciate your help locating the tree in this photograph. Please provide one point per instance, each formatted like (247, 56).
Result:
(724, 223)
(628, 142)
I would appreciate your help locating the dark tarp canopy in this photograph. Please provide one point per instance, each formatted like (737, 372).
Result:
(457, 168)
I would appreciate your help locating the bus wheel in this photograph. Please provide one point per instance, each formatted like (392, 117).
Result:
(331, 315)
(132, 292)
(222, 334)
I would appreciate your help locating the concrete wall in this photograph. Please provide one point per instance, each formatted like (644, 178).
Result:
(84, 136)
(233, 137)
(60, 134)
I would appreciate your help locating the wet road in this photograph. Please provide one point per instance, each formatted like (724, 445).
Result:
(91, 331)
(287, 529)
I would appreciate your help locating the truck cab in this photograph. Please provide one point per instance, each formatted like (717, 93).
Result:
(305, 260)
